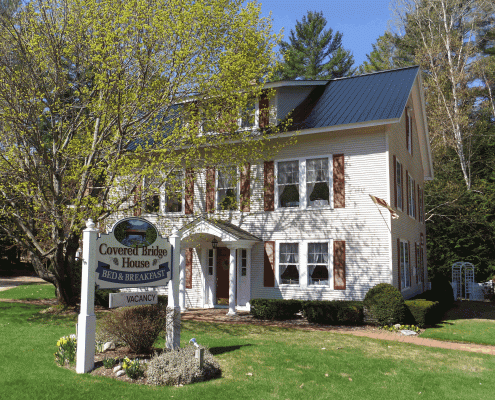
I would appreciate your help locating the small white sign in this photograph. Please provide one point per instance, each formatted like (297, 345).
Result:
(126, 299)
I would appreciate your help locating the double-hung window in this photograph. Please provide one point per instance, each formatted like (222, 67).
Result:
(289, 263)
(303, 183)
(248, 117)
(318, 263)
(398, 175)
(288, 184)
(227, 189)
(317, 182)
(412, 197)
(405, 267)
(173, 193)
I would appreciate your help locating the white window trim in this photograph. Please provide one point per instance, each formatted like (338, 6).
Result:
(410, 124)
(256, 118)
(403, 270)
(412, 197)
(303, 265)
(238, 190)
(163, 197)
(302, 183)
(400, 206)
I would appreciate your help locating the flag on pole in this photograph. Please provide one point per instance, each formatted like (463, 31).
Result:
(383, 203)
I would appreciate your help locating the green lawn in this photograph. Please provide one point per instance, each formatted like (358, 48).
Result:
(472, 322)
(29, 291)
(257, 362)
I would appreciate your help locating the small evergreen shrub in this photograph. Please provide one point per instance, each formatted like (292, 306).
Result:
(441, 291)
(423, 312)
(334, 312)
(274, 309)
(384, 305)
(137, 326)
(102, 297)
(180, 367)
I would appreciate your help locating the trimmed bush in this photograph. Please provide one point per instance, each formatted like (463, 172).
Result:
(334, 312)
(180, 367)
(137, 326)
(275, 309)
(102, 297)
(384, 305)
(423, 312)
(441, 291)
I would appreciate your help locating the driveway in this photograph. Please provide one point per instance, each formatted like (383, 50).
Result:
(7, 282)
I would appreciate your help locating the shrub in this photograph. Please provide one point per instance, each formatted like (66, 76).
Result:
(137, 326)
(334, 312)
(384, 305)
(441, 291)
(181, 367)
(275, 309)
(423, 312)
(102, 297)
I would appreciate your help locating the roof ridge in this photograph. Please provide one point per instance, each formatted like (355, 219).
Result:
(373, 73)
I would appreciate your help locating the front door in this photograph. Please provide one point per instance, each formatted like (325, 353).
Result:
(223, 260)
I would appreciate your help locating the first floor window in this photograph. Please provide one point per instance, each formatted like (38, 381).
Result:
(412, 197)
(318, 263)
(211, 260)
(289, 263)
(405, 267)
(227, 189)
(243, 262)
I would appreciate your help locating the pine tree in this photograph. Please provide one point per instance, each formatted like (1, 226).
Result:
(314, 53)
(382, 57)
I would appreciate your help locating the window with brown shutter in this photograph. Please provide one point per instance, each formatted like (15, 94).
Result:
(210, 189)
(395, 180)
(399, 266)
(189, 263)
(245, 183)
(189, 191)
(407, 193)
(339, 265)
(264, 117)
(338, 181)
(269, 264)
(408, 133)
(269, 185)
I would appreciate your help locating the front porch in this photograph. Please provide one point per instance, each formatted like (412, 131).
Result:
(215, 266)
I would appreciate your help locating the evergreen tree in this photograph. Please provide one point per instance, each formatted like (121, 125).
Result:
(313, 52)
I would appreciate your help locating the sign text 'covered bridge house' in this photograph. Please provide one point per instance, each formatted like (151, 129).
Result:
(313, 222)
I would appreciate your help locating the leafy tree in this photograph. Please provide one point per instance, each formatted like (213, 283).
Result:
(98, 97)
(382, 56)
(314, 53)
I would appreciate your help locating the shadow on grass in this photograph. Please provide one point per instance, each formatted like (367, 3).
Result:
(226, 349)
(470, 310)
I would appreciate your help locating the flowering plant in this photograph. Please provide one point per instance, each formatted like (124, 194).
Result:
(132, 368)
(67, 346)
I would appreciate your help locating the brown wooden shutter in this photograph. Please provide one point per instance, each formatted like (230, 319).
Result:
(419, 204)
(338, 181)
(189, 263)
(416, 257)
(269, 265)
(407, 192)
(210, 189)
(269, 195)
(245, 187)
(422, 250)
(395, 182)
(339, 282)
(189, 191)
(407, 129)
(264, 118)
(398, 264)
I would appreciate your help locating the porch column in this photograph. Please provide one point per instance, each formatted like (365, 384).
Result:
(182, 283)
(232, 280)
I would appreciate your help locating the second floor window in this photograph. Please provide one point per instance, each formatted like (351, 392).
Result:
(173, 193)
(227, 189)
(288, 184)
(317, 182)
(412, 197)
(398, 167)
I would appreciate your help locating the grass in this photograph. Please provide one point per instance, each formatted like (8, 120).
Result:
(29, 291)
(257, 363)
(472, 322)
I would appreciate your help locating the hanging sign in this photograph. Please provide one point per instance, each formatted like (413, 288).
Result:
(133, 254)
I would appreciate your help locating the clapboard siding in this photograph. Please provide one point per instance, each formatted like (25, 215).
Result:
(405, 227)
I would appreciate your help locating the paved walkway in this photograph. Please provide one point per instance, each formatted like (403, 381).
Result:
(7, 282)
(242, 317)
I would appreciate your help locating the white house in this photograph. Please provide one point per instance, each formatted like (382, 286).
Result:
(304, 225)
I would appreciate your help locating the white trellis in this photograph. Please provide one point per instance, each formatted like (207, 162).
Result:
(463, 281)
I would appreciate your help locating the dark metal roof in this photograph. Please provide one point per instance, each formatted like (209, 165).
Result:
(371, 97)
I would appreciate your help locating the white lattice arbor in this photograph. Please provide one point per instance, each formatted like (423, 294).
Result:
(463, 281)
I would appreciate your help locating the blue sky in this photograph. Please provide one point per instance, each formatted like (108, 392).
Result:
(360, 21)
